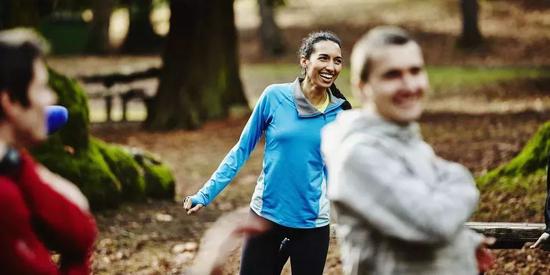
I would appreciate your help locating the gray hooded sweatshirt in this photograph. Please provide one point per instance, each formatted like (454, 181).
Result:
(400, 209)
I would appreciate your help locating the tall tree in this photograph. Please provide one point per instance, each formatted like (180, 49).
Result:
(200, 75)
(471, 36)
(99, 32)
(270, 34)
(141, 37)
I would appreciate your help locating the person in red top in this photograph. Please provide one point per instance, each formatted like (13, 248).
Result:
(40, 212)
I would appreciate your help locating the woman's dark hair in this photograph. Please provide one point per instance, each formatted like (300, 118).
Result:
(19, 49)
(306, 49)
(335, 92)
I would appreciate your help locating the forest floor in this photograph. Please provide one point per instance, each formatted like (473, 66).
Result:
(481, 126)
(137, 238)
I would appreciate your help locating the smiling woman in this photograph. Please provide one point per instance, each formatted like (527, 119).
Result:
(290, 194)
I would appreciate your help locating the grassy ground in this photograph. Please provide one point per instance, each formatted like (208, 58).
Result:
(446, 81)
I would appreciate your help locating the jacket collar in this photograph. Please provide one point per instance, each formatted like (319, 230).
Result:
(304, 107)
(387, 128)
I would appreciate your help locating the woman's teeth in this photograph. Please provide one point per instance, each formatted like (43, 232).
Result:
(326, 76)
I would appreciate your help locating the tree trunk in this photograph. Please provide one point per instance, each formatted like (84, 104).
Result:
(200, 75)
(471, 36)
(141, 37)
(99, 33)
(270, 34)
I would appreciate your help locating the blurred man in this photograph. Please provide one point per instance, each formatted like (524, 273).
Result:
(400, 208)
(40, 211)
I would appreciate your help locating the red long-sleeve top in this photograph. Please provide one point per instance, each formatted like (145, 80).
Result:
(34, 220)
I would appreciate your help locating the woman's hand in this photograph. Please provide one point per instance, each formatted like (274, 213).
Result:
(189, 207)
(542, 239)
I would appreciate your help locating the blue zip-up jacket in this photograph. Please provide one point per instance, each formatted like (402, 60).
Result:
(291, 190)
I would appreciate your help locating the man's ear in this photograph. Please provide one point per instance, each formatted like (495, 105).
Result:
(4, 99)
(9, 107)
(361, 90)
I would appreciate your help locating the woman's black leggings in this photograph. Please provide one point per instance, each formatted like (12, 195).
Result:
(267, 253)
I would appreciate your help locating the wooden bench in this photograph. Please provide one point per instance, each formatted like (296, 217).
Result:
(510, 235)
(125, 96)
(108, 81)
(507, 235)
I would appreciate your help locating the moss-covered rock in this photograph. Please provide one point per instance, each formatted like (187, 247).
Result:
(76, 133)
(125, 169)
(160, 182)
(107, 174)
(85, 167)
(531, 160)
(518, 186)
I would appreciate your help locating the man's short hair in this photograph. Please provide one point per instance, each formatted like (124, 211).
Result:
(19, 49)
(378, 37)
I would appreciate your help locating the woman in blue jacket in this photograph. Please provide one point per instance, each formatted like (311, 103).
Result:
(290, 193)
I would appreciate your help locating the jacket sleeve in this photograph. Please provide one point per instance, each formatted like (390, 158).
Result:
(62, 226)
(19, 251)
(376, 187)
(239, 154)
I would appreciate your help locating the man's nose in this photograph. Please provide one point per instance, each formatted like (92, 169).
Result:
(409, 83)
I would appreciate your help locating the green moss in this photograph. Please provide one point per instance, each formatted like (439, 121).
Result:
(160, 183)
(530, 161)
(70, 95)
(125, 169)
(159, 180)
(86, 168)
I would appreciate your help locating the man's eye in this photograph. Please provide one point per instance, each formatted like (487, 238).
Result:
(392, 74)
(416, 70)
